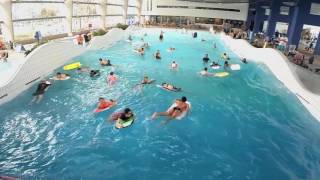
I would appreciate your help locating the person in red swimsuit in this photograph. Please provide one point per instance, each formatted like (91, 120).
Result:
(103, 103)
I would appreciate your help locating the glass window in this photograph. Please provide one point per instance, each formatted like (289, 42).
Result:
(113, 20)
(284, 10)
(315, 9)
(132, 10)
(120, 2)
(86, 23)
(132, 2)
(114, 10)
(37, 10)
(26, 29)
(85, 9)
(267, 11)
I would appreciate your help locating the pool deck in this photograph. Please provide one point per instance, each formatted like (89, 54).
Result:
(278, 64)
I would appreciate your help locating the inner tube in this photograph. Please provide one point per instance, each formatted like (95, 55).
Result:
(125, 124)
(183, 114)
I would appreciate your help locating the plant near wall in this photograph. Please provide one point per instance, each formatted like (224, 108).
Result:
(99, 32)
(122, 26)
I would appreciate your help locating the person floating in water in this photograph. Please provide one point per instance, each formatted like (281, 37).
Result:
(226, 64)
(112, 78)
(244, 60)
(205, 72)
(171, 49)
(130, 38)
(161, 36)
(225, 56)
(214, 45)
(206, 59)
(41, 89)
(104, 104)
(195, 35)
(122, 118)
(146, 80)
(61, 76)
(170, 87)
(157, 55)
(140, 51)
(174, 65)
(181, 106)
(105, 62)
(95, 73)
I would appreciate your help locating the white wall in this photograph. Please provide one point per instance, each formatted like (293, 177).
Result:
(278, 65)
(242, 15)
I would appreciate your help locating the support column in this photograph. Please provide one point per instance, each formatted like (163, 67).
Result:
(317, 47)
(250, 19)
(103, 7)
(6, 9)
(69, 15)
(258, 19)
(273, 17)
(297, 22)
(139, 7)
(125, 11)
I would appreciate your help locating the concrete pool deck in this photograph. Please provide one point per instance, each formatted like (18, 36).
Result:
(278, 65)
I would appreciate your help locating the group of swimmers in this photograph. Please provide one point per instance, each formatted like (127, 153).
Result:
(180, 106)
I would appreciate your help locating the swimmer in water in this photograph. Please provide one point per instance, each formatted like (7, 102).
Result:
(61, 76)
(170, 87)
(174, 65)
(205, 72)
(244, 60)
(112, 78)
(41, 89)
(206, 59)
(146, 80)
(161, 36)
(105, 62)
(103, 103)
(122, 117)
(171, 49)
(226, 64)
(95, 73)
(140, 51)
(157, 55)
(180, 107)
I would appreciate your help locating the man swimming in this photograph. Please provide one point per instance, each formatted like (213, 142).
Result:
(180, 107)
(41, 89)
(105, 62)
(170, 87)
(205, 72)
(174, 65)
(161, 36)
(95, 73)
(61, 76)
(104, 104)
(122, 117)
(146, 80)
(140, 51)
(206, 59)
(157, 55)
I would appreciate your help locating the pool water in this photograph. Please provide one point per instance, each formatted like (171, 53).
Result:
(244, 126)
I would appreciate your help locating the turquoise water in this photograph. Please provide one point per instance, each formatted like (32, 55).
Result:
(244, 126)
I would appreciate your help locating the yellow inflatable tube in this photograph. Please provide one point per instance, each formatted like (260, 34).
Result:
(72, 66)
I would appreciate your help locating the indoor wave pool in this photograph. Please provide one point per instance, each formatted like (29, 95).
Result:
(243, 126)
